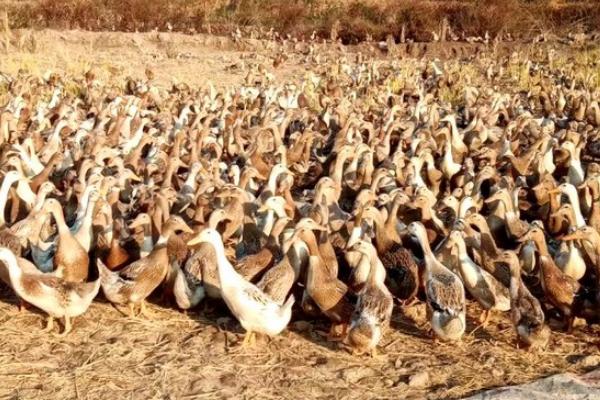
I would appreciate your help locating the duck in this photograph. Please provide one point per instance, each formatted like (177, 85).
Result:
(279, 279)
(374, 306)
(560, 289)
(254, 264)
(27, 228)
(71, 261)
(403, 279)
(131, 285)
(488, 249)
(143, 220)
(116, 256)
(256, 311)
(527, 315)
(571, 192)
(187, 288)
(444, 291)
(85, 235)
(489, 293)
(55, 296)
(329, 293)
(198, 277)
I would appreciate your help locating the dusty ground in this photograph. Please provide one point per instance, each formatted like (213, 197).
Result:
(179, 356)
(194, 59)
(173, 57)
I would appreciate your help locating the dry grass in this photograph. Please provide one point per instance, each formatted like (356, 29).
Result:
(179, 356)
(356, 19)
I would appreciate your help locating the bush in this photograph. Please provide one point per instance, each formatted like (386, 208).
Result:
(356, 18)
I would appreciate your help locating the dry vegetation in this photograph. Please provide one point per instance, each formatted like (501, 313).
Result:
(354, 20)
(178, 356)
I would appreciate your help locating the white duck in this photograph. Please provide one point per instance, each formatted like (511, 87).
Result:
(256, 311)
(56, 297)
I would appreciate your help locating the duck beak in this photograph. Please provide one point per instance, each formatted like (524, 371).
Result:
(554, 191)
(186, 228)
(491, 199)
(573, 236)
(289, 210)
(135, 177)
(135, 223)
(194, 241)
(317, 227)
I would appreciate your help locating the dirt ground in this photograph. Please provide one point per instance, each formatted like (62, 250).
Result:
(196, 355)
(179, 356)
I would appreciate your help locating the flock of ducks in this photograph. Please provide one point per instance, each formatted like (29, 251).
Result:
(337, 199)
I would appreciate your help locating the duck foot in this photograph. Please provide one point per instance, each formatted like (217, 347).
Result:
(484, 318)
(570, 322)
(68, 327)
(49, 324)
(23, 305)
(409, 302)
(130, 309)
(144, 311)
(249, 339)
(334, 336)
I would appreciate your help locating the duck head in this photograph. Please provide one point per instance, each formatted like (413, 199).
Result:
(208, 235)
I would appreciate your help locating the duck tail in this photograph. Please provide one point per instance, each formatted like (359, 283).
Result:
(288, 303)
(107, 277)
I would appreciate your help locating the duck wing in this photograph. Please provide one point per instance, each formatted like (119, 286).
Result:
(277, 281)
(254, 264)
(376, 303)
(256, 295)
(445, 294)
(527, 308)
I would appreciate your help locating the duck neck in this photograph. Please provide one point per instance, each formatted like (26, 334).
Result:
(310, 239)
(426, 214)
(575, 166)
(391, 224)
(487, 241)
(163, 239)
(147, 244)
(14, 271)
(542, 247)
(60, 222)
(227, 274)
(424, 242)
(4, 189)
(191, 179)
(243, 180)
(574, 200)
(171, 169)
(83, 203)
(272, 182)
(89, 214)
(39, 201)
(338, 170)
(462, 249)
(383, 241)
